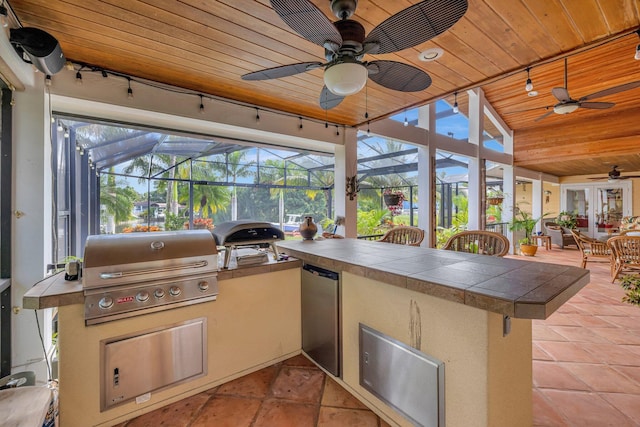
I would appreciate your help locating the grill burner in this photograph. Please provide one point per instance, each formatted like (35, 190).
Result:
(233, 234)
(128, 275)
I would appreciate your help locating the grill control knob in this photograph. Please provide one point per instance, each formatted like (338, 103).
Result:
(142, 296)
(106, 302)
(174, 291)
(159, 293)
(203, 285)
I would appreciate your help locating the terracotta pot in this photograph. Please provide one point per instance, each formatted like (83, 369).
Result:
(308, 228)
(528, 250)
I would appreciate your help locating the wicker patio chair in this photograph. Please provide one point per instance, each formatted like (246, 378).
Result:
(625, 252)
(592, 248)
(404, 235)
(478, 241)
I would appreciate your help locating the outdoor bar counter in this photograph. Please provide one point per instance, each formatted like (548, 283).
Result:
(472, 312)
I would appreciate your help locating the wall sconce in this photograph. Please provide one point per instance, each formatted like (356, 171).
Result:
(547, 193)
(352, 187)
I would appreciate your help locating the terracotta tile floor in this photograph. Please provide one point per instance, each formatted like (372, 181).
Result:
(586, 372)
(294, 393)
(586, 356)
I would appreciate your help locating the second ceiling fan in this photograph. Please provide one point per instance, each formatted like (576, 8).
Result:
(567, 105)
(614, 175)
(345, 44)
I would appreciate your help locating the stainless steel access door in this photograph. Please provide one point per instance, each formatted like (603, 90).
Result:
(133, 366)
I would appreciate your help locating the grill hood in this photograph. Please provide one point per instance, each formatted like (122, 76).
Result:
(117, 259)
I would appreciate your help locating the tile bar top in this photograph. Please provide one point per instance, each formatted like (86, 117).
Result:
(516, 288)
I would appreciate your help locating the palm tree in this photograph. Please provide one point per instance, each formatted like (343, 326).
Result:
(234, 168)
(207, 199)
(117, 202)
(281, 174)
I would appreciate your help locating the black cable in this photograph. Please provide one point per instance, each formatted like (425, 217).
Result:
(46, 358)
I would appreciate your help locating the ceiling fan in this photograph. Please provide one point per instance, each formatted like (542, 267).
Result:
(345, 44)
(568, 105)
(614, 175)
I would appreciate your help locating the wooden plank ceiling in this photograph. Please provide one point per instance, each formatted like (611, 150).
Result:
(205, 46)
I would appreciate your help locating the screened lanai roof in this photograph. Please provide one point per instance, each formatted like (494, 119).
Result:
(110, 145)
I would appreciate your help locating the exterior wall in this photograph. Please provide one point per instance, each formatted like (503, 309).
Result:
(254, 323)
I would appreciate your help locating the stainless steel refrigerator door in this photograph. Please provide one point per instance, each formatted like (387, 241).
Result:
(321, 318)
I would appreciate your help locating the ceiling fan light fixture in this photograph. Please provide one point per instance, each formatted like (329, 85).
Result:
(566, 108)
(345, 78)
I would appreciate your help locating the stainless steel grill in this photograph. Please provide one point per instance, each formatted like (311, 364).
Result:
(128, 275)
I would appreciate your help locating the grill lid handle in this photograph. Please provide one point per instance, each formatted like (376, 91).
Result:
(119, 274)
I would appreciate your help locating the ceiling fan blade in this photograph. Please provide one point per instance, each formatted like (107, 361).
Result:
(416, 24)
(600, 177)
(398, 76)
(328, 99)
(547, 114)
(561, 94)
(597, 105)
(612, 90)
(282, 71)
(307, 20)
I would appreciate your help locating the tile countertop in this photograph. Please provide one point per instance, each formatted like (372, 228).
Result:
(54, 291)
(517, 288)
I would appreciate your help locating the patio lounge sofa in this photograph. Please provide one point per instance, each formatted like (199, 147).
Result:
(560, 236)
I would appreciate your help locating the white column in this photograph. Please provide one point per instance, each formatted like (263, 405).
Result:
(346, 165)
(537, 202)
(508, 204)
(476, 100)
(426, 177)
(31, 225)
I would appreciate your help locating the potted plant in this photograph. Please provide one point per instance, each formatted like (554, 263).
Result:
(393, 199)
(495, 197)
(567, 219)
(524, 221)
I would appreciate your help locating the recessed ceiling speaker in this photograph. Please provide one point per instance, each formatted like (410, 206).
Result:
(39, 48)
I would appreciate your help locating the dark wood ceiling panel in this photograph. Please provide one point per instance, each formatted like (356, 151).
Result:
(205, 46)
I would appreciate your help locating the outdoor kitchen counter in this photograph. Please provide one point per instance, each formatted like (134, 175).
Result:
(471, 312)
(54, 291)
(515, 288)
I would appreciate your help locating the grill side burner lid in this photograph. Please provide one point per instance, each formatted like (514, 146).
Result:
(117, 259)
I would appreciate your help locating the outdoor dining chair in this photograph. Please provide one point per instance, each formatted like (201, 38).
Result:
(478, 242)
(592, 248)
(404, 235)
(625, 252)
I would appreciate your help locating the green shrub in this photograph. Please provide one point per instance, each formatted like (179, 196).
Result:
(631, 284)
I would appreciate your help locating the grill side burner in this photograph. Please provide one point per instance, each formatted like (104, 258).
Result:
(128, 275)
(232, 234)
